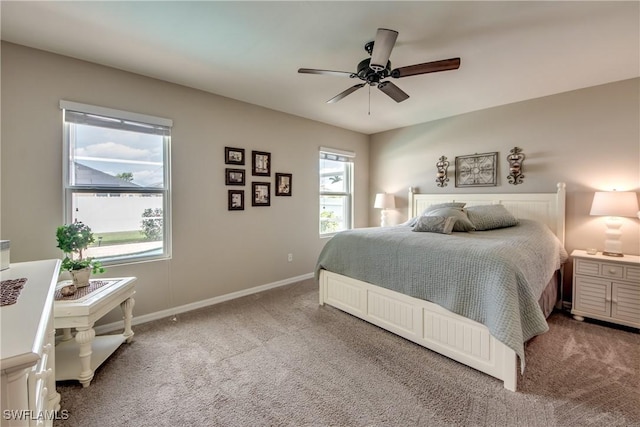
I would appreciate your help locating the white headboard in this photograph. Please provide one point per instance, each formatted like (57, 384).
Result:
(548, 208)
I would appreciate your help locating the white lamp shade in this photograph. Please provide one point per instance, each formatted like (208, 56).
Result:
(615, 203)
(384, 201)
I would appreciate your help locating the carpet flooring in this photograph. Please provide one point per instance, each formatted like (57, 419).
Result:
(279, 359)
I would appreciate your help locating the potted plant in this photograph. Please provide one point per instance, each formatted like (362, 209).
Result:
(73, 239)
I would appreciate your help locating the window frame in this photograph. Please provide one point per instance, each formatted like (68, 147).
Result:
(348, 158)
(69, 189)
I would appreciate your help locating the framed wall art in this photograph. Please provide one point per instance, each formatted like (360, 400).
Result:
(261, 194)
(260, 163)
(477, 170)
(283, 184)
(236, 200)
(233, 156)
(234, 176)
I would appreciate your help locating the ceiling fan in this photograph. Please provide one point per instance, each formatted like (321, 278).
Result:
(372, 71)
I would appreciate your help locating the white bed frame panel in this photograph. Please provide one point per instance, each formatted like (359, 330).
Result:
(428, 324)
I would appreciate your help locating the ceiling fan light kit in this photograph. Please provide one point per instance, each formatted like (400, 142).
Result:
(381, 49)
(372, 71)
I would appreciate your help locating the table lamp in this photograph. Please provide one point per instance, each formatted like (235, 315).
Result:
(384, 201)
(613, 205)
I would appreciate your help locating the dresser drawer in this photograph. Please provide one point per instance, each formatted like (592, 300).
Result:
(633, 274)
(612, 270)
(590, 268)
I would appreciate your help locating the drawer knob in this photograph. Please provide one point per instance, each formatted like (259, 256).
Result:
(612, 271)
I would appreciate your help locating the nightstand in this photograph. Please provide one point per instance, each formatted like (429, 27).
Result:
(606, 288)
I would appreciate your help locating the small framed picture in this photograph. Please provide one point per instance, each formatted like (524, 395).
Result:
(234, 176)
(261, 194)
(261, 163)
(283, 184)
(477, 170)
(236, 200)
(233, 156)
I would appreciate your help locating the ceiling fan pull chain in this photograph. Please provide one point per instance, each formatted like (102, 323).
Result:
(369, 99)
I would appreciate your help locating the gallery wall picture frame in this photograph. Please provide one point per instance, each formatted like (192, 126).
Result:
(233, 156)
(260, 163)
(234, 176)
(260, 194)
(283, 184)
(236, 200)
(477, 170)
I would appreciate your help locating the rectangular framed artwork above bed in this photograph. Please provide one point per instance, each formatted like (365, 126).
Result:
(398, 308)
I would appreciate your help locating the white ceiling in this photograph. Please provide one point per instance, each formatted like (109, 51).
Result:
(251, 51)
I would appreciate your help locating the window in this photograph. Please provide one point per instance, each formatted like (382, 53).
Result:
(336, 190)
(117, 181)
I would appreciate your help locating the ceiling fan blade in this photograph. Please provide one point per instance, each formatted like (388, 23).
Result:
(382, 46)
(325, 72)
(427, 67)
(343, 94)
(393, 91)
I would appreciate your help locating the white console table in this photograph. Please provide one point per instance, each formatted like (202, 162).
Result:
(28, 388)
(77, 359)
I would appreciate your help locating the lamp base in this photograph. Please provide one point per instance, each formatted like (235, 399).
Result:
(614, 254)
(383, 218)
(613, 234)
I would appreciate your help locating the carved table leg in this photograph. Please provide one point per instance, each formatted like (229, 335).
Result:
(127, 310)
(85, 337)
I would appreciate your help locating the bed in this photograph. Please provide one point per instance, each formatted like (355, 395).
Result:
(479, 313)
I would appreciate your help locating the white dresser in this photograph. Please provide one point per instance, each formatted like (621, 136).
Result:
(28, 392)
(606, 288)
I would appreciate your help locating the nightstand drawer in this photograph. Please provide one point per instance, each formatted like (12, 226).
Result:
(633, 274)
(612, 270)
(590, 268)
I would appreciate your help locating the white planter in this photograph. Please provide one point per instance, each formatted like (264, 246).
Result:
(81, 277)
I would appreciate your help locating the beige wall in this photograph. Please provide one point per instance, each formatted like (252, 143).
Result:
(588, 138)
(215, 252)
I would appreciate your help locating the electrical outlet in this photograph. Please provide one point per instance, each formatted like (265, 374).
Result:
(290, 257)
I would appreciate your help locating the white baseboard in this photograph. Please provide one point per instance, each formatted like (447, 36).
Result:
(110, 327)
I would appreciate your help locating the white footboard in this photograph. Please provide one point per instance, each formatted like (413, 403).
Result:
(422, 322)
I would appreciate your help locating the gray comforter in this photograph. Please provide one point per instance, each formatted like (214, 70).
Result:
(493, 277)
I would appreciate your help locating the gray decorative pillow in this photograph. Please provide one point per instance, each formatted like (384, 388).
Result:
(489, 217)
(444, 205)
(462, 222)
(413, 221)
(435, 224)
